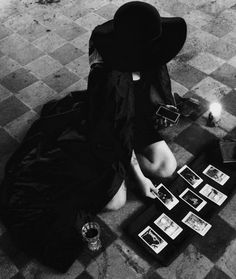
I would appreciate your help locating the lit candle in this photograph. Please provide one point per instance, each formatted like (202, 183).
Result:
(136, 76)
(215, 113)
(215, 109)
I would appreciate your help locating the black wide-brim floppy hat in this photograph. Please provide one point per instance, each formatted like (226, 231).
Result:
(138, 38)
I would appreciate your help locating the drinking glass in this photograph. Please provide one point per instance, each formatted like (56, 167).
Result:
(91, 233)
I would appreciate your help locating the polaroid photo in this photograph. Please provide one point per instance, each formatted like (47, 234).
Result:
(190, 176)
(168, 226)
(216, 174)
(152, 239)
(192, 199)
(165, 196)
(196, 223)
(168, 114)
(213, 194)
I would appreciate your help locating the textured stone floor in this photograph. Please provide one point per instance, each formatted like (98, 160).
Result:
(43, 55)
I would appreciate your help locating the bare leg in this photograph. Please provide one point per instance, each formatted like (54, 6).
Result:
(119, 199)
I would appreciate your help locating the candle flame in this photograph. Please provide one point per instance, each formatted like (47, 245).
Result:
(215, 109)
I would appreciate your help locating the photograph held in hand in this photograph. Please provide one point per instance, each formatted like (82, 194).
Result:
(165, 196)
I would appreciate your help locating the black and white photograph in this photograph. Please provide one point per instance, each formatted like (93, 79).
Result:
(192, 199)
(109, 110)
(216, 175)
(167, 225)
(190, 176)
(165, 196)
(152, 239)
(196, 223)
(213, 194)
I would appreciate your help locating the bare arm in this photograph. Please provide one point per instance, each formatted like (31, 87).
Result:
(155, 161)
(145, 183)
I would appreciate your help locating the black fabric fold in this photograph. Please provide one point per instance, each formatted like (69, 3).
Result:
(73, 160)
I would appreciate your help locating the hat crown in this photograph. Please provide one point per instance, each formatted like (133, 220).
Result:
(137, 23)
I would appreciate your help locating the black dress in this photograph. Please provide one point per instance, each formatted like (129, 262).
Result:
(73, 160)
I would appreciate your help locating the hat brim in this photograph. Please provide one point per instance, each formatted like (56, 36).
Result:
(160, 51)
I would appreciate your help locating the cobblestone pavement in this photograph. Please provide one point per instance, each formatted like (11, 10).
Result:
(43, 55)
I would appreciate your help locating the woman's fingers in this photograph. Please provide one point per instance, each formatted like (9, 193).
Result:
(152, 192)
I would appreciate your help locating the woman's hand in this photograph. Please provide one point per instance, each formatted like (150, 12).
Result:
(148, 188)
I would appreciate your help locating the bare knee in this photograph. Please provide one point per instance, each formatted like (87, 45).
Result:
(162, 167)
(118, 200)
(166, 168)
